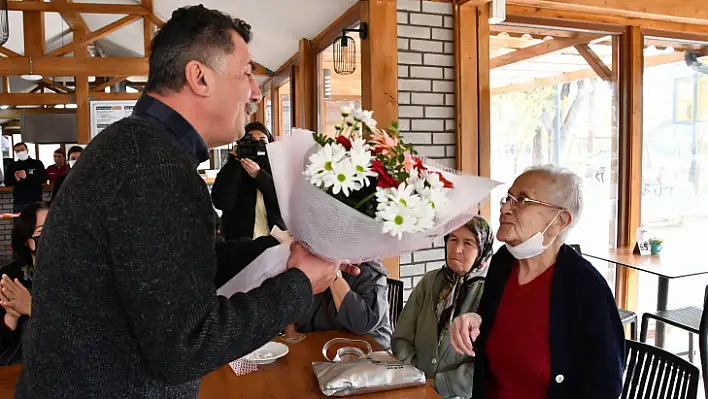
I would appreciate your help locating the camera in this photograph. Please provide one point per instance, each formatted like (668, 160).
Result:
(251, 149)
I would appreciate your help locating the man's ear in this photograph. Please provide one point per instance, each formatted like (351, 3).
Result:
(563, 221)
(197, 77)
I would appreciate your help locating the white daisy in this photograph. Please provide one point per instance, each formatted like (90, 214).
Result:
(404, 195)
(397, 219)
(433, 179)
(425, 216)
(343, 178)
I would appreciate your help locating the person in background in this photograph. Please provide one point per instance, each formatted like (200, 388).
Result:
(16, 283)
(25, 176)
(422, 336)
(547, 326)
(244, 191)
(60, 168)
(124, 302)
(73, 155)
(358, 304)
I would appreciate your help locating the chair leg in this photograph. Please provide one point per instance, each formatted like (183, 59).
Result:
(633, 330)
(690, 347)
(643, 331)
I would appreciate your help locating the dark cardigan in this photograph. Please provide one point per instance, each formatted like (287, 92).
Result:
(586, 335)
(234, 192)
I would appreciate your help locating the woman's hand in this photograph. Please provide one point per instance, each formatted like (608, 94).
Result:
(14, 295)
(11, 319)
(250, 167)
(463, 331)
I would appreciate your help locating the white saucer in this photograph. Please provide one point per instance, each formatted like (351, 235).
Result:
(268, 353)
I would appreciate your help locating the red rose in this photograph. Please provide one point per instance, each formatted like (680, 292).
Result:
(385, 180)
(446, 183)
(344, 142)
(418, 164)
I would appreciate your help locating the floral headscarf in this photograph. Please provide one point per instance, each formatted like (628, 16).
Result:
(449, 296)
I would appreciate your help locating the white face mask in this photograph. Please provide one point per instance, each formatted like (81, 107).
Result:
(533, 246)
(72, 162)
(22, 155)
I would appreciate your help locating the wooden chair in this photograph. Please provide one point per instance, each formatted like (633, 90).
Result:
(654, 373)
(395, 299)
(627, 316)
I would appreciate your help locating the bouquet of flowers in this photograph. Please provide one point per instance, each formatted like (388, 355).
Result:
(364, 193)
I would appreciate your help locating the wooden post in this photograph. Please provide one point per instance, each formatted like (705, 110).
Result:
(275, 110)
(631, 74)
(379, 72)
(82, 110)
(466, 92)
(485, 100)
(304, 95)
(33, 29)
(147, 27)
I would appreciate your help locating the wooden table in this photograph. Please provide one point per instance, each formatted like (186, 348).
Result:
(288, 378)
(667, 266)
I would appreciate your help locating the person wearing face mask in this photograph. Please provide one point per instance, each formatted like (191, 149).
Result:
(422, 336)
(73, 156)
(25, 176)
(16, 281)
(245, 192)
(547, 325)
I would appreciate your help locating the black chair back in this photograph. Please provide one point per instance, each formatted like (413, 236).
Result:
(654, 373)
(395, 299)
(576, 247)
(703, 341)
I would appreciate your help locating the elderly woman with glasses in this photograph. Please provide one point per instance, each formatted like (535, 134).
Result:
(547, 325)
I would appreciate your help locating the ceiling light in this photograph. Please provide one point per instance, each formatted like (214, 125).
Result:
(497, 11)
(31, 76)
(59, 106)
(4, 106)
(70, 105)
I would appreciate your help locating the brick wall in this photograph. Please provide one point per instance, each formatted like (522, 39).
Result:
(426, 96)
(6, 225)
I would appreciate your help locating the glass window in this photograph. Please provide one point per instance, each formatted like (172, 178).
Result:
(336, 90)
(554, 108)
(285, 108)
(268, 113)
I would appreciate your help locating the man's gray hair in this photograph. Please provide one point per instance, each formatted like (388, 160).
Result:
(567, 191)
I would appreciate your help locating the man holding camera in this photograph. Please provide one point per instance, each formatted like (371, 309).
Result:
(244, 188)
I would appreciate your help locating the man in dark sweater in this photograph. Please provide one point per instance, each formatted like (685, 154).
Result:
(25, 176)
(124, 303)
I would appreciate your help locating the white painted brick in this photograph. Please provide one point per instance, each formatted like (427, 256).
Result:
(433, 151)
(413, 85)
(444, 138)
(437, 7)
(402, 44)
(450, 151)
(449, 73)
(402, 71)
(429, 255)
(440, 86)
(402, 18)
(417, 138)
(449, 48)
(412, 270)
(404, 98)
(406, 294)
(408, 5)
(448, 22)
(427, 125)
(447, 162)
(407, 283)
(426, 46)
(430, 266)
(426, 72)
(416, 32)
(405, 258)
(427, 98)
(449, 99)
(439, 60)
(450, 125)
(416, 280)
(404, 125)
(439, 241)
(407, 111)
(439, 112)
(440, 34)
(426, 20)
(405, 57)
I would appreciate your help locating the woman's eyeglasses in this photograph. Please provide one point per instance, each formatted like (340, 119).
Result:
(523, 201)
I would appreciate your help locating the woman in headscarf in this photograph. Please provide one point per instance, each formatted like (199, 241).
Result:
(422, 336)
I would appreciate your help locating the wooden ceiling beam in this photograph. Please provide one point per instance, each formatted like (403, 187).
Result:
(655, 60)
(59, 98)
(537, 50)
(33, 31)
(472, 3)
(75, 21)
(67, 66)
(115, 96)
(54, 85)
(595, 62)
(87, 8)
(17, 113)
(8, 53)
(93, 36)
(101, 87)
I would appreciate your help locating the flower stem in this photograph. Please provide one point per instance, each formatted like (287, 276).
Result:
(365, 200)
